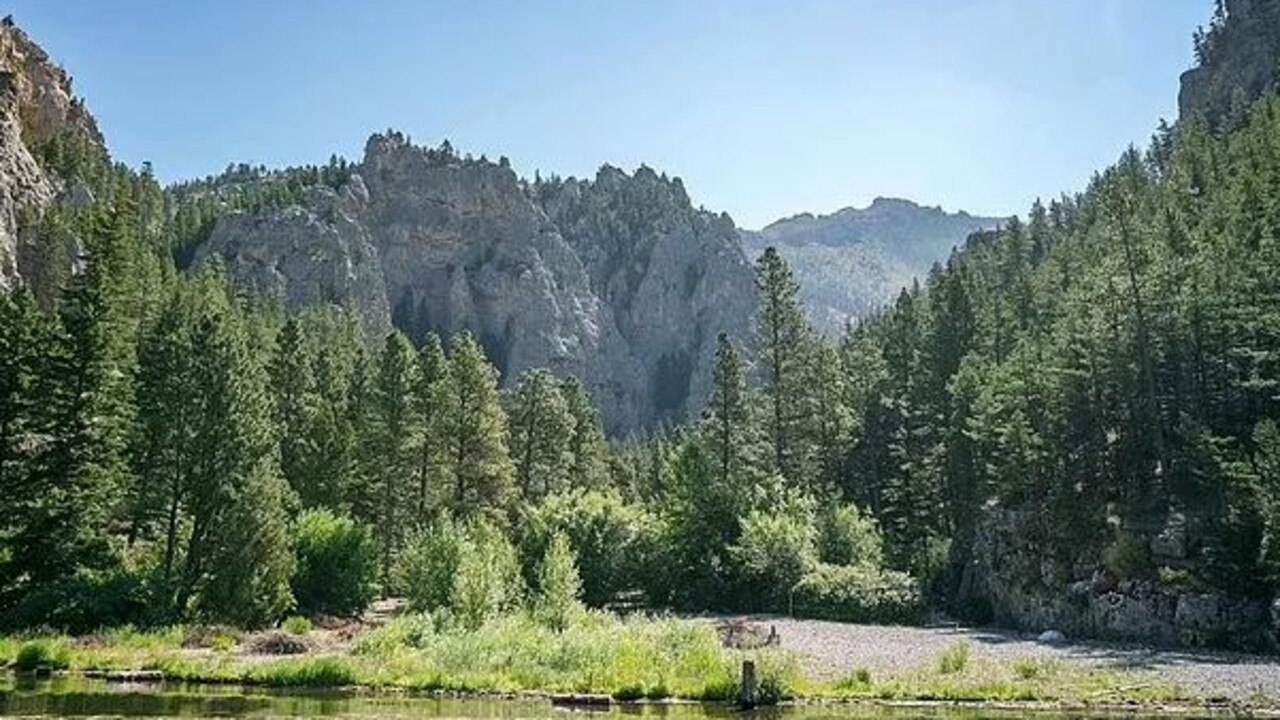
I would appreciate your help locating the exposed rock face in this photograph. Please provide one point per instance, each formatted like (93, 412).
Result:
(854, 261)
(1030, 591)
(1240, 56)
(36, 107)
(617, 281)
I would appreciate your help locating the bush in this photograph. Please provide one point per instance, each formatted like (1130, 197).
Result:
(559, 587)
(850, 537)
(488, 580)
(297, 625)
(429, 563)
(86, 602)
(607, 534)
(54, 654)
(777, 548)
(337, 565)
(858, 594)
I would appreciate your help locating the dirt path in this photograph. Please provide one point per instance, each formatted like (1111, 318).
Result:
(833, 650)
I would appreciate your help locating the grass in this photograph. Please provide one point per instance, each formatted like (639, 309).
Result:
(954, 659)
(959, 675)
(599, 653)
(630, 658)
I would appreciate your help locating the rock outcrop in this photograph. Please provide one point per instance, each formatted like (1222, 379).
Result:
(1026, 589)
(37, 107)
(854, 261)
(617, 281)
(1239, 57)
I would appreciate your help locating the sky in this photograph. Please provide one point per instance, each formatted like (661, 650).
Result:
(764, 109)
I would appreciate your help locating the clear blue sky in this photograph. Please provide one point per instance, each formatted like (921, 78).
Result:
(763, 108)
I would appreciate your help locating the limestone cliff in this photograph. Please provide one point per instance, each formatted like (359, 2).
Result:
(618, 281)
(37, 107)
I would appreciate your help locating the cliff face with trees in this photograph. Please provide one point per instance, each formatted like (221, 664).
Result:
(618, 281)
(1072, 424)
(852, 263)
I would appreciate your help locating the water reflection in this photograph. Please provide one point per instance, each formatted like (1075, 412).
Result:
(81, 697)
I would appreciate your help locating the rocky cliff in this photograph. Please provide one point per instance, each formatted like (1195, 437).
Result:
(616, 280)
(37, 109)
(1238, 58)
(853, 261)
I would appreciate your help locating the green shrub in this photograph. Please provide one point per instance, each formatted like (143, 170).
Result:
(488, 580)
(608, 535)
(86, 602)
(297, 625)
(954, 659)
(1128, 557)
(336, 565)
(429, 563)
(559, 586)
(850, 537)
(858, 594)
(777, 548)
(54, 654)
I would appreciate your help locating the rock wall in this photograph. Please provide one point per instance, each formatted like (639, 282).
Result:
(1027, 590)
(37, 106)
(617, 281)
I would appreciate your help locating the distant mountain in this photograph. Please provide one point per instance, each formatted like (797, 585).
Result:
(854, 260)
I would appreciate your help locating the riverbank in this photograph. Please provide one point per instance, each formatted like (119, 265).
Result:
(638, 658)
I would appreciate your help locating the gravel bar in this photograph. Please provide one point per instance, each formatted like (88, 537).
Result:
(832, 650)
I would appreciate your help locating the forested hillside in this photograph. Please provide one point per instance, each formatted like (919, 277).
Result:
(1070, 425)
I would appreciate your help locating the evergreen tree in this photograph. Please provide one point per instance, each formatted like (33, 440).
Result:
(588, 450)
(785, 341)
(395, 431)
(237, 563)
(730, 431)
(433, 395)
(295, 409)
(542, 431)
(480, 462)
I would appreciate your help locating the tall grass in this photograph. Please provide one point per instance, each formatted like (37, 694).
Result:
(595, 653)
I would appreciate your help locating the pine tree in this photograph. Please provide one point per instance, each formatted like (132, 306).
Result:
(295, 402)
(24, 338)
(588, 450)
(395, 432)
(237, 562)
(730, 430)
(784, 342)
(432, 396)
(542, 430)
(480, 463)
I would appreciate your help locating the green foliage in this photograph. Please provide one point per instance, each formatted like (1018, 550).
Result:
(488, 581)
(337, 565)
(296, 625)
(542, 433)
(430, 563)
(849, 536)
(776, 548)
(613, 540)
(559, 587)
(858, 594)
(51, 654)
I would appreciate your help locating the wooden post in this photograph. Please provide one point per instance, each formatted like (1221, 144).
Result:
(749, 685)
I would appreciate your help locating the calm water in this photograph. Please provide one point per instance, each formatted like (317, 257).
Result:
(79, 697)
